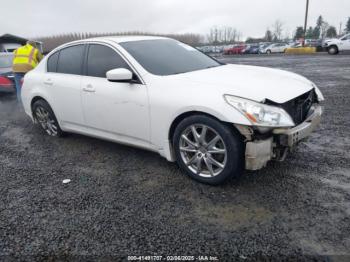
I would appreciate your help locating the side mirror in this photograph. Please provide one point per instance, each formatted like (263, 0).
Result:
(119, 75)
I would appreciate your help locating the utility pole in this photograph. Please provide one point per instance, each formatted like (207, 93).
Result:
(306, 16)
(340, 27)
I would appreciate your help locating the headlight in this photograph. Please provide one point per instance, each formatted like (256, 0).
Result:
(259, 114)
(320, 96)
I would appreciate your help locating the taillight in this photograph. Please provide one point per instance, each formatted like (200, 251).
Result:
(4, 81)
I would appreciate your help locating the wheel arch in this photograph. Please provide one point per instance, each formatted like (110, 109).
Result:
(40, 97)
(35, 99)
(184, 115)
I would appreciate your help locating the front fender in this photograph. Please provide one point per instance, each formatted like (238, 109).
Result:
(227, 114)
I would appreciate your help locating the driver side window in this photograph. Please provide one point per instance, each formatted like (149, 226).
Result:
(101, 59)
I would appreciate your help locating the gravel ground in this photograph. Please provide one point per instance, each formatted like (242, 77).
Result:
(123, 201)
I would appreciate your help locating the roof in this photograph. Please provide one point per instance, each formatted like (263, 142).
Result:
(122, 39)
(8, 38)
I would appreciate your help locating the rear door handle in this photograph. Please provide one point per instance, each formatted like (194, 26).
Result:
(89, 88)
(48, 82)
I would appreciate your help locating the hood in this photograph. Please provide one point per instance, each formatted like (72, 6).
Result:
(332, 40)
(250, 82)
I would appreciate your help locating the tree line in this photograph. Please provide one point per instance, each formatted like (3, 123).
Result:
(321, 30)
(217, 35)
(277, 33)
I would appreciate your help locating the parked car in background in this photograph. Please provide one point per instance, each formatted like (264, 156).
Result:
(262, 46)
(9, 47)
(296, 45)
(251, 49)
(216, 49)
(317, 43)
(274, 48)
(313, 42)
(214, 119)
(235, 50)
(336, 45)
(7, 83)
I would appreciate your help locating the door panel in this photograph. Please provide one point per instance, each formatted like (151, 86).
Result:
(117, 108)
(63, 83)
(65, 91)
(347, 44)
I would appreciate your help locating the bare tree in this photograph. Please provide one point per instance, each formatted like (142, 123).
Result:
(223, 35)
(278, 29)
(324, 27)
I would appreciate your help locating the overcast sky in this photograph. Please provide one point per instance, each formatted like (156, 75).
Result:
(36, 18)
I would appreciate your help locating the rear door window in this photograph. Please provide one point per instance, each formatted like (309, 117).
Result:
(101, 59)
(70, 60)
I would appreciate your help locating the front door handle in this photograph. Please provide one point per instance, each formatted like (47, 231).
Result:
(89, 88)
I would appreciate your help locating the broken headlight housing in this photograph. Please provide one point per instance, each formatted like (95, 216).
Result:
(260, 114)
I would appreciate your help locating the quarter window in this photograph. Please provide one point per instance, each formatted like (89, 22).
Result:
(52, 62)
(70, 60)
(101, 59)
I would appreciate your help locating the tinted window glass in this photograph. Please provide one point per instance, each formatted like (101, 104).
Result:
(102, 59)
(52, 62)
(70, 60)
(168, 57)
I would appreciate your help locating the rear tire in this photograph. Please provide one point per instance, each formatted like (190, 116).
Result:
(45, 117)
(268, 52)
(333, 50)
(208, 150)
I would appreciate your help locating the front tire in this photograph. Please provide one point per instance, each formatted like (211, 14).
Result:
(44, 116)
(268, 52)
(208, 150)
(333, 50)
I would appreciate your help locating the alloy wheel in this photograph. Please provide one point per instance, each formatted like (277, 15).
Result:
(203, 150)
(46, 121)
(332, 50)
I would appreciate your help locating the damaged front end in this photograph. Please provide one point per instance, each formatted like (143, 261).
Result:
(266, 143)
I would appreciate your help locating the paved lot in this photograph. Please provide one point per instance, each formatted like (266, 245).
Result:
(125, 201)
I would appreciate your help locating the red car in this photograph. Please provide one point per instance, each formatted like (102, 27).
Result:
(7, 84)
(236, 49)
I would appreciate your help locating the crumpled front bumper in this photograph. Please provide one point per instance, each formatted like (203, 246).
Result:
(259, 152)
(290, 137)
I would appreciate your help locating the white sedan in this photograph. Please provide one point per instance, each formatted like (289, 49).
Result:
(162, 95)
(274, 48)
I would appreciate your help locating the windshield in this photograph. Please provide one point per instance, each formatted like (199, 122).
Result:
(5, 61)
(168, 57)
(346, 37)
